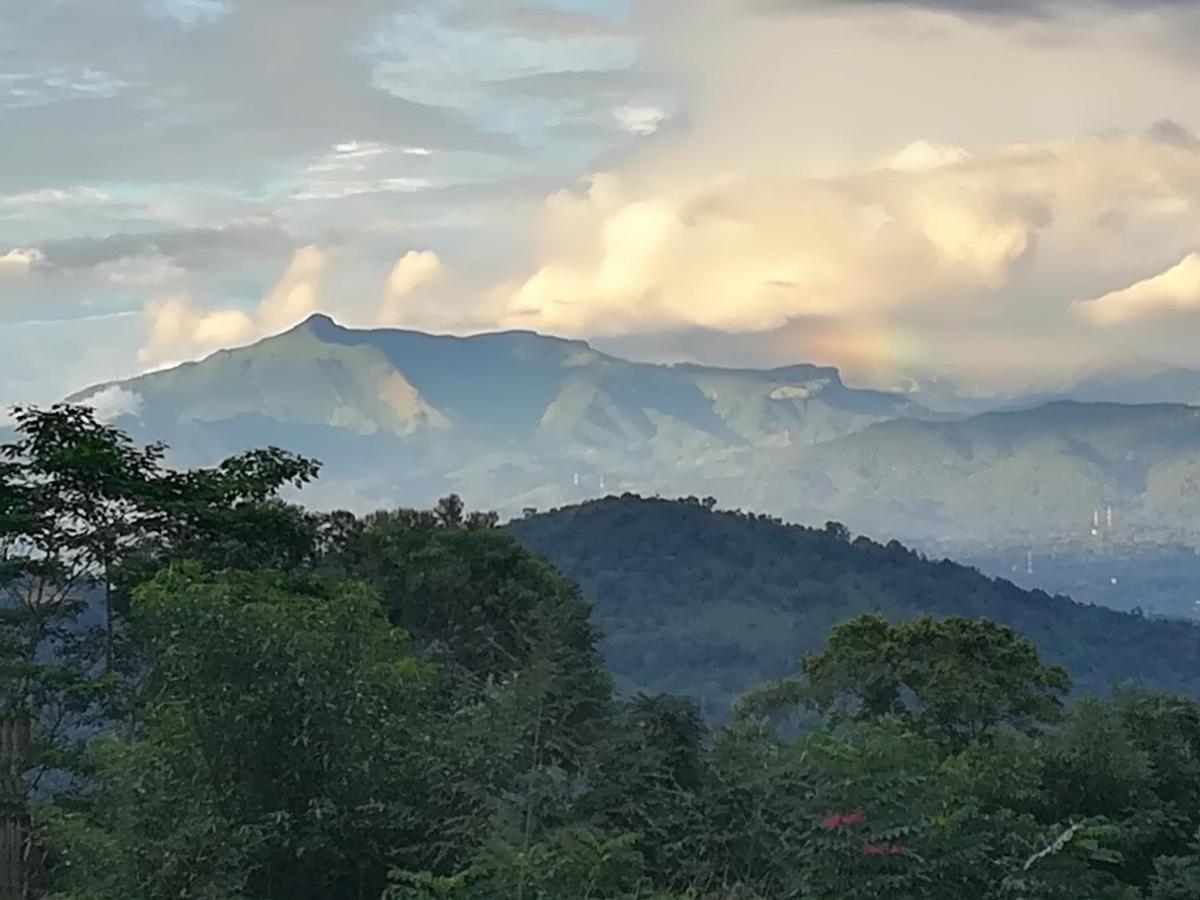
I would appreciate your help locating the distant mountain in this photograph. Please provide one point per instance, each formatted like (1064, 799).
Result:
(516, 420)
(711, 603)
(1054, 473)
(1136, 380)
(1117, 376)
(507, 420)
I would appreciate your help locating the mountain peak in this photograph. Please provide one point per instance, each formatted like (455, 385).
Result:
(319, 324)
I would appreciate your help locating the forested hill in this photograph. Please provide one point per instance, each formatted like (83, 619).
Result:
(709, 603)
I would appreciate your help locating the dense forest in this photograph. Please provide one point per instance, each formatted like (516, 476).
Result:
(211, 693)
(706, 603)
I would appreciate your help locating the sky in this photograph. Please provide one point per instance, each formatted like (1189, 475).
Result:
(1002, 193)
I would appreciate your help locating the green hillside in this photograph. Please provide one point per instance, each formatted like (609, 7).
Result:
(709, 603)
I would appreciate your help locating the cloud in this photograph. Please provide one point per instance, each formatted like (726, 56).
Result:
(294, 297)
(533, 19)
(188, 248)
(414, 270)
(750, 255)
(224, 97)
(19, 261)
(1176, 289)
(179, 330)
(885, 181)
(576, 83)
(140, 272)
(1172, 133)
(351, 168)
(77, 277)
(945, 187)
(888, 264)
(921, 156)
(995, 8)
(639, 119)
(114, 402)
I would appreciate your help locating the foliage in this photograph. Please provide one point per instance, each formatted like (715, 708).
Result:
(411, 706)
(953, 677)
(283, 748)
(489, 611)
(83, 513)
(711, 604)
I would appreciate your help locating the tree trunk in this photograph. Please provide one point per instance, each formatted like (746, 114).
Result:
(17, 856)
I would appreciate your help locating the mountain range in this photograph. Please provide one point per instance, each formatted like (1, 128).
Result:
(507, 420)
(517, 421)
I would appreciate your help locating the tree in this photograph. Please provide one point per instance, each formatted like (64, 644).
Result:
(285, 752)
(491, 611)
(72, 502)
(956, 678)
(85, 514)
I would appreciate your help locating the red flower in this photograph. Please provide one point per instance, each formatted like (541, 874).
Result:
(843, 820)
(882, 850)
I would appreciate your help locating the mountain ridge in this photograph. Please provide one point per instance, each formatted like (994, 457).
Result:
(710, 602)
(514, 420)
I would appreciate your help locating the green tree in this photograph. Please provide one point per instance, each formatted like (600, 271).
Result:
(956, 678)
(85, 514)
(491, 611)
(285, 752)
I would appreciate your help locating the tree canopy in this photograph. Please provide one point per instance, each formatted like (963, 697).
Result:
(232, 697)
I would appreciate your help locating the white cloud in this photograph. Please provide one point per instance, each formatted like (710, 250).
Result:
(921, 156)
(910, 262)
(414, 270)
(1176, 289)
(899, 175)
(112, 403)
(179, 330)
(355, 168)
(19, 261)
(750, 255)
(75, 196)
(140, 272)
(294, 296)
(641, 120)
